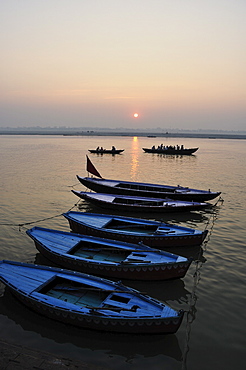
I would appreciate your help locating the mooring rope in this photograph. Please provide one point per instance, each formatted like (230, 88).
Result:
(191, 312)
(40, 220)
(73, 186)
(214, 213)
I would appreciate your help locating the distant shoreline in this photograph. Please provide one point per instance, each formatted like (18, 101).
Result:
(207, 135)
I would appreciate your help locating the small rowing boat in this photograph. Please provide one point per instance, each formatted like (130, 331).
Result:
(130, 203)
(146, 189)
(107, 257)
(134, 230)
(87, 301)
(106, 151)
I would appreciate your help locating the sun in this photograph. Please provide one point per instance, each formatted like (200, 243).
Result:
(135, 115)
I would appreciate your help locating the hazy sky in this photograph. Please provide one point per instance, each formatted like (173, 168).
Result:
(177, 63)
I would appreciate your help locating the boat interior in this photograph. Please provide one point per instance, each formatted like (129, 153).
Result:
(74, 292)
(92, 297)
(145, 188)
(98, 252)
(118, 225)
(138, 201)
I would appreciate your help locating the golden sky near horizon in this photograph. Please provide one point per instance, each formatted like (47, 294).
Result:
(178, 64)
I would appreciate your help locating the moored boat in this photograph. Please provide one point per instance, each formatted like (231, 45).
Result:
(143, 189)
(87, 301)
(134, 230)
(107, 257)
(131, 203)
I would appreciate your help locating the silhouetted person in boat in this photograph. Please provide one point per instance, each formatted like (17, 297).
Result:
(113, 148)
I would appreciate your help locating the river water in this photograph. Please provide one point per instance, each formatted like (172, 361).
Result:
(37, 175)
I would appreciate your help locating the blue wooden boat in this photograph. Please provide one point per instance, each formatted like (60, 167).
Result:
(134, 230)
(131, 203)
(142, 189)
(87, 301)
(107, 257)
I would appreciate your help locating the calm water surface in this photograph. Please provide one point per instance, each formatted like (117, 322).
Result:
(37, 175)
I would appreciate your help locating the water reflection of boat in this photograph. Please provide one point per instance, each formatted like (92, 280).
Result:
(172, 290)
(71, 341)
(189, 219)
(193, 219)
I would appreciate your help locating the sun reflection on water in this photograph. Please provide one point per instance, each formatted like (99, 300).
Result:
(134, 158)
